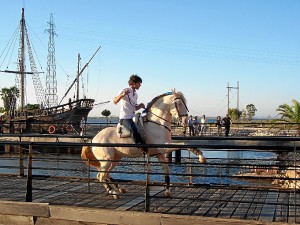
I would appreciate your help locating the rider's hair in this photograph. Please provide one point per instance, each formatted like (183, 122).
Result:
(134, 79)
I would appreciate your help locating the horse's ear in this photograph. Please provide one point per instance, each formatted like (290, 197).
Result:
(173, 91)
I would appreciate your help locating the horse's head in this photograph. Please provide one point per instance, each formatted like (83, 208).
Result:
(178, 107)
(163, 107)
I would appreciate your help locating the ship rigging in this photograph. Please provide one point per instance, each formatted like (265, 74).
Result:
(49, 114)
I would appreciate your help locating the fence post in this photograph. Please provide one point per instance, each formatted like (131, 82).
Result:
(21, 160)
(147, 191)
(178, 156)
(29, 176)
(190, 169)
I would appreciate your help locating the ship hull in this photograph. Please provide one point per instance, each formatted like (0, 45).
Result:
(59, 119)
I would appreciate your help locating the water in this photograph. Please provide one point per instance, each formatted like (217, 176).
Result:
(96, 120)
(215, 171)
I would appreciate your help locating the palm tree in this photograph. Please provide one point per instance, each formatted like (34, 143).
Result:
(290, 114)
(9, 97)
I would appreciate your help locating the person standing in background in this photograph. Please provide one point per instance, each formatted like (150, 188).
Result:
(191, 126)
(196, 125)
(203, 121)
(82, 126)
(226, 122)
(219, 125)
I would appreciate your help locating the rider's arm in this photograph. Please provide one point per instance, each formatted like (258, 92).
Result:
(118, 97)
(121, 95)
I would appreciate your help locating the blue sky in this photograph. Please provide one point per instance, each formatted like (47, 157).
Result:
(195, 46)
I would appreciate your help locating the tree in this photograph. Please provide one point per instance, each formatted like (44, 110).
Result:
(32, 106)
(250, 108)
(234, 114)
(290, 114)
(9, 97)
(106, 113)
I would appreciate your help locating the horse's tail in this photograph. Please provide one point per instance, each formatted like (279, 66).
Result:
(88, 157)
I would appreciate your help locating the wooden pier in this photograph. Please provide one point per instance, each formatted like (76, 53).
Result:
(83, 201)
(73, 200)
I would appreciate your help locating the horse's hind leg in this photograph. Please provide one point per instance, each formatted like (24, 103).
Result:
(164, 163)
(115, 185)
(103, 177)
(111, 180)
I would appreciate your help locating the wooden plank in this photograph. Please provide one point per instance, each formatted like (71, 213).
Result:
(185, 197)
(243, 207)
(221, 203)
(192, 205)
(24, 208)
(138, 200)
(104, 216)
(256, 206)
(51, 221)
(50, 196)
(232, 204)
(13, 220)
(167, 219)
(268, 211)
(292, 218)
(210, 195)
(281, 213)
(163, 204)
(101, 216)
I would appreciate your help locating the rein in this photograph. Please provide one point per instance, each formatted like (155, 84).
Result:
(147, 120)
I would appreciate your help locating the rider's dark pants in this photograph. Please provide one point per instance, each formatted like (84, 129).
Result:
(130, 125)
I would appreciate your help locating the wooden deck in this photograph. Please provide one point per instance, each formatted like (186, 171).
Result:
(262, 206)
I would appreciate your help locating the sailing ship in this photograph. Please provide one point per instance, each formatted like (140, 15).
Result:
(48, 117)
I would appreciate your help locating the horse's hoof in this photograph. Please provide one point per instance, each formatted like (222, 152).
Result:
(116, 196)
(122, 190)
(114, 193)
(168, 193)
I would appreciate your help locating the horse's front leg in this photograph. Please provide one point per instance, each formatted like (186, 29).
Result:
(164, 163)
(196, 151)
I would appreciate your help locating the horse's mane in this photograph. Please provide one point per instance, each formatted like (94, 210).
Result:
(150, 104)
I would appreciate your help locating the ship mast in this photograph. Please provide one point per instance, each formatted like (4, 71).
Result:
(22, 59)
(79, 72)
(77, 81)
(38, 87)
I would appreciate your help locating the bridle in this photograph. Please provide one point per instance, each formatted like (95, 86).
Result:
(176, 106)
(169, 122)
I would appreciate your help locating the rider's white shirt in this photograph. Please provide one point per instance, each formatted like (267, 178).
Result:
(128, 104)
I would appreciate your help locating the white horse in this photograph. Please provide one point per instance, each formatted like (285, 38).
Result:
(157, 127)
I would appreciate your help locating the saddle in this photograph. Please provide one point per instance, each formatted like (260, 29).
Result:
(123, 132)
